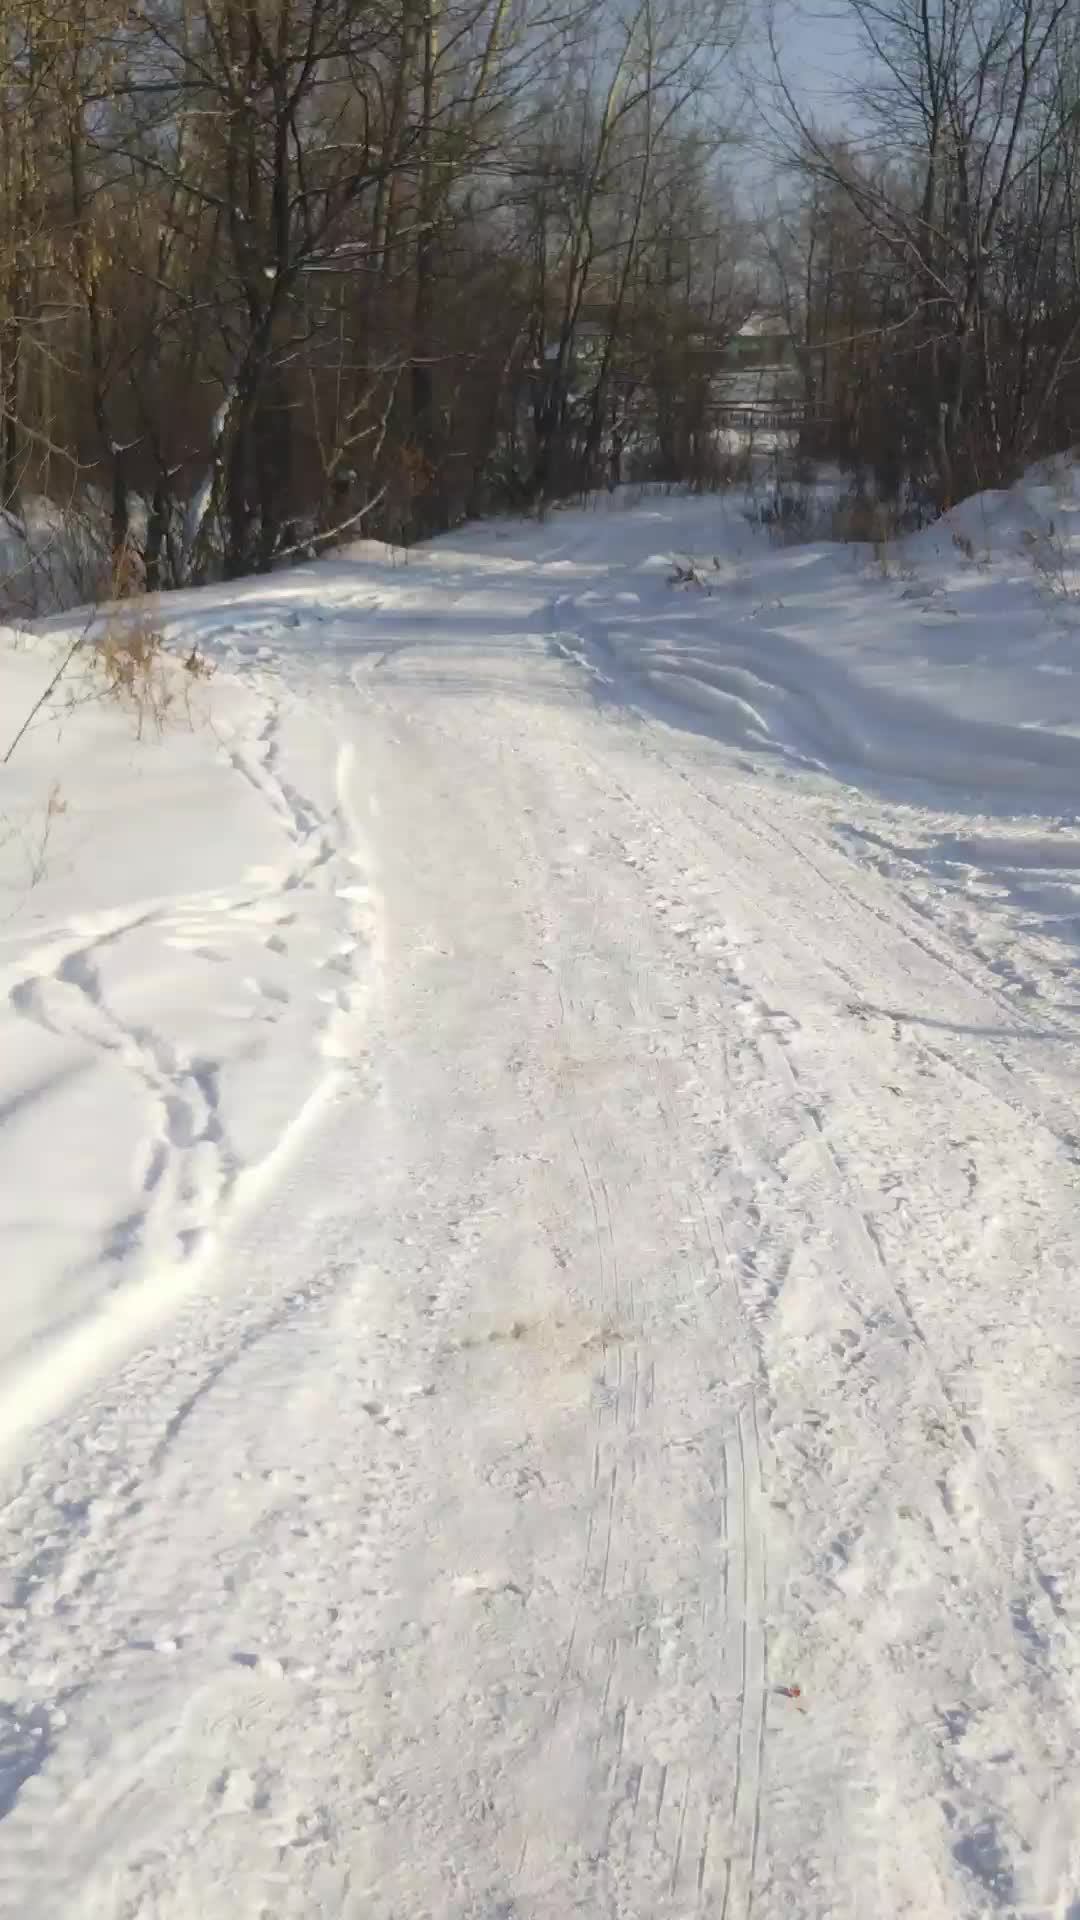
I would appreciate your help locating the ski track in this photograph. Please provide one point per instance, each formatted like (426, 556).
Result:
(640, 1318)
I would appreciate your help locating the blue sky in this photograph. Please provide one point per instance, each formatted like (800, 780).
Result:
(819, 54)
(820, 59)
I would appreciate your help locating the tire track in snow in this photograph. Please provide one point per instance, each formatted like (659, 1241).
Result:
(604, 1478)
(601, 1262)
(1012, 1011)
(681, 1851)
(767, 1033)
(957, 1521)
(742, 1467)
(203, 1688)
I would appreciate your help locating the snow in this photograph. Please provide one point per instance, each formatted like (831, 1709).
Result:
(157, 901)
(539, 1179)
(764, 326)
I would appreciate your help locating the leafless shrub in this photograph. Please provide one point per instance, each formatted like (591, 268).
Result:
(59, 556)
(789, 515)
(1049, 557)
(966, 546)
(867, 522)
(685, 574)
(880, 524)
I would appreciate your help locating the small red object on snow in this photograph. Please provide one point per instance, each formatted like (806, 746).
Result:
(791, 1693)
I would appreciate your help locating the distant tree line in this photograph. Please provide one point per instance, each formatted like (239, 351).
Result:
(271, 270)
(928, 257)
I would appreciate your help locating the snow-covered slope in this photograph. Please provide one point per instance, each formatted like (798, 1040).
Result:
(178, 962)
(539, 1170)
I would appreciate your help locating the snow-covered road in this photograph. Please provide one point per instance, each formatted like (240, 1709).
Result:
(609, 1445)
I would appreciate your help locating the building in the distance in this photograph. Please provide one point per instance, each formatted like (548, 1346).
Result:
(757, 388)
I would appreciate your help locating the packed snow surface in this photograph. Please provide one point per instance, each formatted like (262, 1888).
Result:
(539, 1162)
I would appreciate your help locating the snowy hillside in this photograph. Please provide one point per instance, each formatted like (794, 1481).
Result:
(539, 1167)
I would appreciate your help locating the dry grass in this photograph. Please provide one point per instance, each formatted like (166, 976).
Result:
(120, 656)
(147, 681)
(130, 655)
(25, 841)
(38, 849)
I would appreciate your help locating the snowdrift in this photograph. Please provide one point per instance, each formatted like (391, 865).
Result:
(951, 658)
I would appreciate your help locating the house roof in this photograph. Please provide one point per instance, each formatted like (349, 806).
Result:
(763, 326)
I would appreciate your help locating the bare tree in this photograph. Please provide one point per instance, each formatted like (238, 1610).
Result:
(971, 116)
(275, 268)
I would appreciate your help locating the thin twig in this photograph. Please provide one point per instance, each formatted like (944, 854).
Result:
(49, 691)
(299, 546)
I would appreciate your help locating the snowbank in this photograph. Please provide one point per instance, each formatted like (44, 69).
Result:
(177, 942)
(951, 657)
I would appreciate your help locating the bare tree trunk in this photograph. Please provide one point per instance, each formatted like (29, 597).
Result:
(113, 451)
(428, 504)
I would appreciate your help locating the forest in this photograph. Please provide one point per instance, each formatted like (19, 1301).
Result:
(274, 272)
